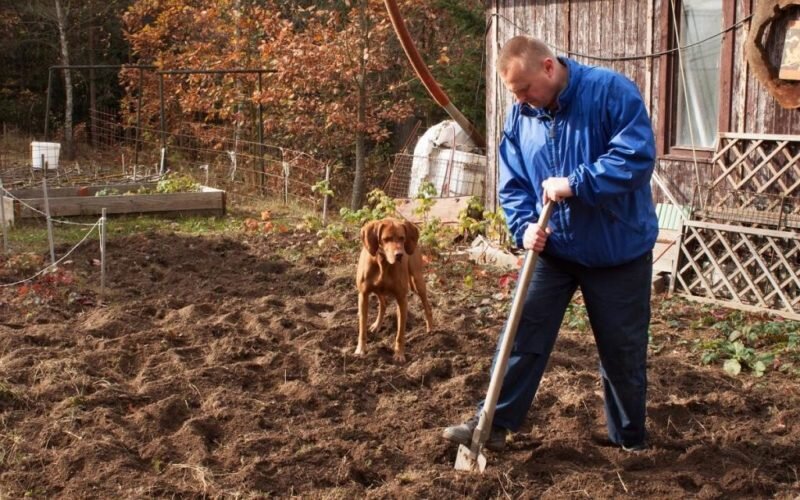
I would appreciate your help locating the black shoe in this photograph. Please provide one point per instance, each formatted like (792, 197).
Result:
(462, 434)
(635, 448)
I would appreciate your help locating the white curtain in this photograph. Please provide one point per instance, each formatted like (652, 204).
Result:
(701, 66)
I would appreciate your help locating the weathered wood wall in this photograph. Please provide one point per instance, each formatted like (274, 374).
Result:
(618, 28)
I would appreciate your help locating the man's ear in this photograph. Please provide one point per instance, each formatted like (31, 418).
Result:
(370, 236)
(412, 237)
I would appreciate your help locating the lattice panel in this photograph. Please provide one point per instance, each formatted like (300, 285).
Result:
(740, 266)
(768, 164)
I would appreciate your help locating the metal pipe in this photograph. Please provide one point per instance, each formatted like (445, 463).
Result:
(426, 77)
(261, 137)
(102, 66)
(161, 110)
(213, 71)
(47, 103)
(138, 121)
(3, 216)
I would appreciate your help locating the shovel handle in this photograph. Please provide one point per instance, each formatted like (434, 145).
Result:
(481, 433)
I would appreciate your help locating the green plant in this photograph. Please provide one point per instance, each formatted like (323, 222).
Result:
(496, 227)
(332, 235)
(475, 220)
(107, 192)
(379, 205)
(430, 232)
(470, 219)
(177, 183)
(311, 223)
(430, 235)
(742, 343)
(323, 188)
(576, 317)
(425, 199)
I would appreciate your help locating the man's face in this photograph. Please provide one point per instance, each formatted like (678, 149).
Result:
(535, 84)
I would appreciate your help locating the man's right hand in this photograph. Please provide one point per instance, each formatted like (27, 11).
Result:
(534, 237)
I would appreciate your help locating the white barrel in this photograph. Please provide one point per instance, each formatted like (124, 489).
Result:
(50, 150)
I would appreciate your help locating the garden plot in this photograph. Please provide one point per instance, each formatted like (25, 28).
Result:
(131, 198)
(222, 366)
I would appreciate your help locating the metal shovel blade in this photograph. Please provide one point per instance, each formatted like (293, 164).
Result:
(467, 460)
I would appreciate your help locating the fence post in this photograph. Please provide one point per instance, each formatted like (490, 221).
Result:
(47, 212)
(325, 199)
(103, 253)
(3, 216)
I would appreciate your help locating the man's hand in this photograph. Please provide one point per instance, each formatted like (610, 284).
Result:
(534, 237)
(556, 189)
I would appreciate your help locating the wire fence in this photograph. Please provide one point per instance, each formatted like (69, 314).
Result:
(452, 174)
(216, 156)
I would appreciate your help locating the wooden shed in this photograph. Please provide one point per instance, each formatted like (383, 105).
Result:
(719, 128)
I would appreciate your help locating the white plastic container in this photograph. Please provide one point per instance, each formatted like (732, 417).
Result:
(50, 150)
(457, 173)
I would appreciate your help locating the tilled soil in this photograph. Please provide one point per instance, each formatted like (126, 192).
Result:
(222, 366)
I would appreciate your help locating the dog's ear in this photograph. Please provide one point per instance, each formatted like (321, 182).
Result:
(412, 237)
(370, 236)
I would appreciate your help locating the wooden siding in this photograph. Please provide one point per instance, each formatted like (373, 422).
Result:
(616, 28)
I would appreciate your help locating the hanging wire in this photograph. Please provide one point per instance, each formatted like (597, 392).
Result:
(626, 58)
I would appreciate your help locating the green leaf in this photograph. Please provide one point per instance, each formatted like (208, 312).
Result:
(732, 367)
(734, 335)
(759, 368)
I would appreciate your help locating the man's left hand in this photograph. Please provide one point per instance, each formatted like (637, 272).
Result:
(556, 189)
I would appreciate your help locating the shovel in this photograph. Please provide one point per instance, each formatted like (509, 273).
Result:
(472, 458)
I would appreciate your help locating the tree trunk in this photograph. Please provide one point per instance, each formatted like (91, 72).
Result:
(361, 146)
(61, 15)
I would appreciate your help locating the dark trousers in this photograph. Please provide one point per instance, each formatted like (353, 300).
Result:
(617, 301)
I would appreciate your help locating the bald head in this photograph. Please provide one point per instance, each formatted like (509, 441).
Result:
(531, 72)
(529, 51)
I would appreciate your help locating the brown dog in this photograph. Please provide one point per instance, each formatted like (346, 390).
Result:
(389, 265)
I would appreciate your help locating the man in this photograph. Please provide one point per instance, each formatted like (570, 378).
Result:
(579, 136)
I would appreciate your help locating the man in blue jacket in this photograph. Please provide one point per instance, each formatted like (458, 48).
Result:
(579, 136)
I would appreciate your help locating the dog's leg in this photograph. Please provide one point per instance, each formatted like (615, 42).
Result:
(381, 312)
(400, 341)
(422, 291)
(363, 311)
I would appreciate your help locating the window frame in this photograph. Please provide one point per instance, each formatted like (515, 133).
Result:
(667, 121)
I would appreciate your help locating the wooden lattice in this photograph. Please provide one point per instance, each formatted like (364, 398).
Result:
(764, 164)
(756, 181)
(743, 267)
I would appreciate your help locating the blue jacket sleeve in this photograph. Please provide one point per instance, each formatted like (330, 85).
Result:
(515, 192)
(628, 161)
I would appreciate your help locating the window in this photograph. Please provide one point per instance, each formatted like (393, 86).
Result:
(694, 87)
(698, 83)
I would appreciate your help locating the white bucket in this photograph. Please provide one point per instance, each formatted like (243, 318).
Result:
(49, 150)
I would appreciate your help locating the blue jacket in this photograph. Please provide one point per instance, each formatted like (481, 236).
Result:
(601, 139)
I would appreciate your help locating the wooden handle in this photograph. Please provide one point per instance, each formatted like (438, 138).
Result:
(481, 433)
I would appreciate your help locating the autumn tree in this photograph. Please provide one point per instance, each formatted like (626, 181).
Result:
(340, 78)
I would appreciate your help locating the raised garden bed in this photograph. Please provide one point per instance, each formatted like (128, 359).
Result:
(116, 199)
